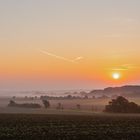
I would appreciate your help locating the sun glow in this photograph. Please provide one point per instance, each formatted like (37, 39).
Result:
(116, 76)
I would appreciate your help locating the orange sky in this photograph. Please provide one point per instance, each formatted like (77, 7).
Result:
(56, 45)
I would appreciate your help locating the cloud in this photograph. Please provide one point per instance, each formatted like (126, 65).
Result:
(78, 58)
(124, 67)
(61, 57)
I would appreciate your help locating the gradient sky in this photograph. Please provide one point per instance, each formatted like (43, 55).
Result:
(39, 40)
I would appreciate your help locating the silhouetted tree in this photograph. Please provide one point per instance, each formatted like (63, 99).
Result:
(14, 97)
(25, 105)
(78, 106)
(85, 97)
(46, 103)
(122, 105)
(11, 103)
(59, 106)
(92, 108)
(69, 97)
(36, 97)
(26, 97)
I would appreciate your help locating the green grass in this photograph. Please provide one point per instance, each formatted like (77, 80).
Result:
(69, 127)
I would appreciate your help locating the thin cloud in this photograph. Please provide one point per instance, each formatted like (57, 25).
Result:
(124, 67)
(78, 58)
(61, 57)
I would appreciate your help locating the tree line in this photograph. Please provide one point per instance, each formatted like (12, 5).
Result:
(46, 104)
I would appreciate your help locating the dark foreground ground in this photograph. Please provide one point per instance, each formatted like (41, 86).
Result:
(69, 127)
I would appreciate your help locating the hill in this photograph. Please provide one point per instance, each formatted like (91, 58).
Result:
(128, 90)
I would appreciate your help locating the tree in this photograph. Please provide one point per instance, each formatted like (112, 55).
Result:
(59, 106)
(14, 97)
(46, 103)
(85, 97)
(122, 105)
(78, 106)
(24, 105)
(11, 103)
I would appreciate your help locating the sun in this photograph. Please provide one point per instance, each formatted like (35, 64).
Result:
(116, 76)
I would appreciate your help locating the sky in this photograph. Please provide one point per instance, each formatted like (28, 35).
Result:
(69, 44)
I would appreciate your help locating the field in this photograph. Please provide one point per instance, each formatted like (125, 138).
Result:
(70, 123)
(69, 127)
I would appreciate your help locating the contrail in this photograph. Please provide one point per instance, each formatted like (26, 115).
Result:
(61, 57)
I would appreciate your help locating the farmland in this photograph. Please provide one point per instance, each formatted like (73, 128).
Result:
(69, 127)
